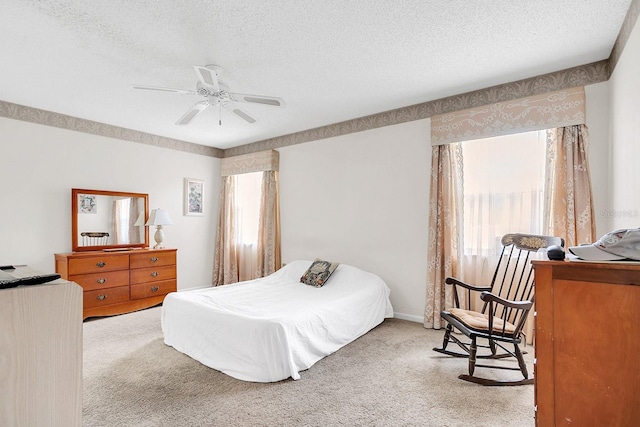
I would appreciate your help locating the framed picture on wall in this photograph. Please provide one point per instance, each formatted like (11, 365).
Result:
(193, 197)
(87, 204)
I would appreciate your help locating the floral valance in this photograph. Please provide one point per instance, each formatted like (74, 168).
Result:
(247, 163)
(550, 110)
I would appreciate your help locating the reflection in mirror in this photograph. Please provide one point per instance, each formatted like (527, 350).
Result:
(103, 219)
(109, 220)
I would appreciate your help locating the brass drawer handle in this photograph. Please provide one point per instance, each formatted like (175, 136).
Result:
(154, 274)
(154, 259)
(155, 289)
(101, 280)
(101, 297)
(100, 264)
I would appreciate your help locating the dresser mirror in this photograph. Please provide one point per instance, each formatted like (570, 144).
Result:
(108, 220)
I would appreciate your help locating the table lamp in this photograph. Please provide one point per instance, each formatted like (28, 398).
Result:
(140, 221)
(159, 217)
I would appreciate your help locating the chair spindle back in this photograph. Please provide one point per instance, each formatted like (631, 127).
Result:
(513, 278)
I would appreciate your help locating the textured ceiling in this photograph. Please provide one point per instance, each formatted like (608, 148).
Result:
(330, 60)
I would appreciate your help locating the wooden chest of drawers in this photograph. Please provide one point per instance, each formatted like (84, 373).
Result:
(120, 282)
(586, 350)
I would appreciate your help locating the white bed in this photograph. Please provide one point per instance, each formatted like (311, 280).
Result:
(270, 329)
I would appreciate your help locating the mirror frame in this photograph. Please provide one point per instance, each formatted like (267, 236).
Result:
(74, 220)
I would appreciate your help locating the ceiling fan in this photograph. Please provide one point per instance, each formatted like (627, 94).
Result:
(218, 94)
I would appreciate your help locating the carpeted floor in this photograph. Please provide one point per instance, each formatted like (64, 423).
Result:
(388, 377)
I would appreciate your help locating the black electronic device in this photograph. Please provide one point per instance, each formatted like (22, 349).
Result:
(9, 281)
(555, 253)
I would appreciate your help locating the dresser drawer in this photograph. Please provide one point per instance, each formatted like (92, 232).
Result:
(108, 279)
(108, 296)
(97, 264)
(152, 259)
(152, 289)
(153, 274)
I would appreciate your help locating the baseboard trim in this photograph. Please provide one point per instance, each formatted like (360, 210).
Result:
(409, 317)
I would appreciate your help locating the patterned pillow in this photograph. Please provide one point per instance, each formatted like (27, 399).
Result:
(319, 272)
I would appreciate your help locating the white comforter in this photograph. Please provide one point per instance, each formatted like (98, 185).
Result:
(269, 329)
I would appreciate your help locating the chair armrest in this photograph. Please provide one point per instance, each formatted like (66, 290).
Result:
(519, 305)
(456, 282)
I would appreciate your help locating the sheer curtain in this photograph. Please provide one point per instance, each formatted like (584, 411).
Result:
(121, 223)
(503, 193)
(445, 230)
(247, 198)
(568, 201)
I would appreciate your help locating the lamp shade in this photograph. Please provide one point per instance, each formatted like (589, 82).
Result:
(159, 217)
(140, 220)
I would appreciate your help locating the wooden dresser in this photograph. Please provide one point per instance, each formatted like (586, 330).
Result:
(587, 344)
(120, 281)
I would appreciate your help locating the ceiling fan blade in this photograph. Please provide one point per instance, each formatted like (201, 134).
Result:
(238, 112)
(243, 115)
(192, 113)
(257, 99)
(208, 78)
(165, 89)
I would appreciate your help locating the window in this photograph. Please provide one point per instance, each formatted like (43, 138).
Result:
(503, 189)
(248, 206)
(122, 208)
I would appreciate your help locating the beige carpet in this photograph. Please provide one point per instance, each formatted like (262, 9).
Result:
(389, 377)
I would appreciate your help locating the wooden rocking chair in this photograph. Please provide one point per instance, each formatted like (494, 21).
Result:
(507, 302)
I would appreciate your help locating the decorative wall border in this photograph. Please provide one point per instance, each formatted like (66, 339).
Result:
(50, 118)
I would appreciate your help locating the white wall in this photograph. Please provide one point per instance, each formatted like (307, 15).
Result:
(597, 110)
(40, 164)
(624, 201)
(362, 199)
